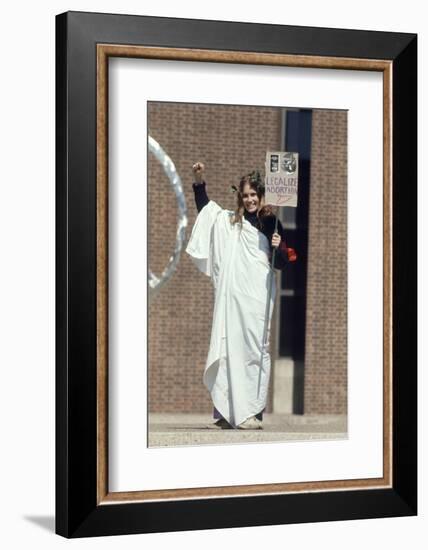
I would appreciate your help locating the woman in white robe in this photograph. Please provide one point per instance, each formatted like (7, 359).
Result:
(229, 248)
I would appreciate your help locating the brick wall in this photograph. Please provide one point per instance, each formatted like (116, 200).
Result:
(326, 316)
(227, 140)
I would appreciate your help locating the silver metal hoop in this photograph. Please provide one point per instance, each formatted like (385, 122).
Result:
(156, 283)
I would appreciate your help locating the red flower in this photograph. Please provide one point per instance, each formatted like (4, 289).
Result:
(292, 255)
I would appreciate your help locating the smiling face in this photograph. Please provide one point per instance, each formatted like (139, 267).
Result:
(250, 199)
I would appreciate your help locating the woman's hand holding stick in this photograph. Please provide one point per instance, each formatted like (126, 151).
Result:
(276, 240)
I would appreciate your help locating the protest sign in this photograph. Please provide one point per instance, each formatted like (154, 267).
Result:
(282, 172)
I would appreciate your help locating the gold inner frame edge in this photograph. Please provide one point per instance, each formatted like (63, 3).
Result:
(104, 51)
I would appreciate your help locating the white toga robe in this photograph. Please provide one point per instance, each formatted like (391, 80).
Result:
(237, 261)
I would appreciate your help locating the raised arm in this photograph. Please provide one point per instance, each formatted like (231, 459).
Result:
(199, 186)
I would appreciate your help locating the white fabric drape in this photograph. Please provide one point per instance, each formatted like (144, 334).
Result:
(237, 261)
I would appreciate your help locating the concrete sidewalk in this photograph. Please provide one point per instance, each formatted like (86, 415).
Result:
(172, 430)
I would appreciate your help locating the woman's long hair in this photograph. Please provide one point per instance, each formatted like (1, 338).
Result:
(255, 182)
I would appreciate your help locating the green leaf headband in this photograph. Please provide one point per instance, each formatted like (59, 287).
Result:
(254, 178)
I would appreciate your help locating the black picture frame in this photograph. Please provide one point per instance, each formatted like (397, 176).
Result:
(78, 510)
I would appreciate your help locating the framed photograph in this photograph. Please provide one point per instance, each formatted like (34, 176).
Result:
(236, 274)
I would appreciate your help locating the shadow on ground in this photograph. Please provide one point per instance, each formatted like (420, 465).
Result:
(173, 430)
